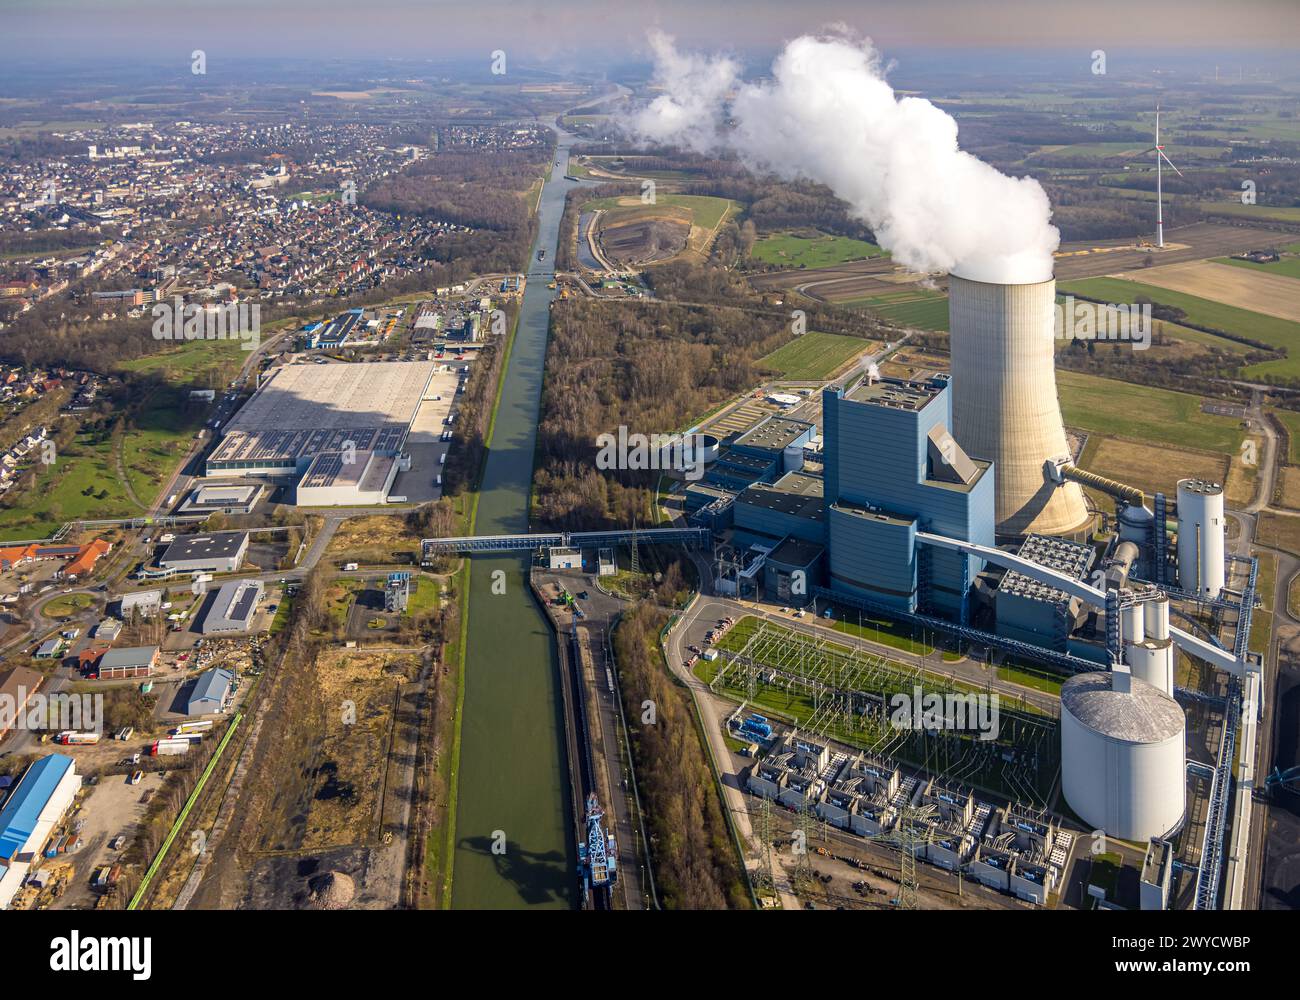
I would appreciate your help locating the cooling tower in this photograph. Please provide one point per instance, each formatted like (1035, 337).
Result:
(1004, 404)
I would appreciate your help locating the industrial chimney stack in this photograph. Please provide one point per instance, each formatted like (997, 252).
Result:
(1004, 403)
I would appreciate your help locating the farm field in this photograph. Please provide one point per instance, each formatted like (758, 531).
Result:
(1287, 267)
(1152, 468)
(1271, 330)
(815, 355)
(1144, 413)
(1258, 291)
(823, 250)
(1279, 531)
(1279, 213)
(914, 306)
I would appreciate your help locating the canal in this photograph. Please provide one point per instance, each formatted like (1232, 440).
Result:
(514, 828)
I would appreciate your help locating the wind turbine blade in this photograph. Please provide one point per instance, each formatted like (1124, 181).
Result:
(1171, 163)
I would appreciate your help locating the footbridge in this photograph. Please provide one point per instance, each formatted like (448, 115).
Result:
(471, 544)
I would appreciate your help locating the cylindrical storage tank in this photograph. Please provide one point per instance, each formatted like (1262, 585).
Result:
(1153, 662)
(1156, 617)
(1004, 403)
(1135, 525)
(1200, 537)
(792, 460)
(1123, 756)
(1130, 623)
(703, 445)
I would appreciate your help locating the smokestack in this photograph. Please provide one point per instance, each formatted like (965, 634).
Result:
(1004, 403)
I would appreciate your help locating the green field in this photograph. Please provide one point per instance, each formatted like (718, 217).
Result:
(815, 355)
(823, 250)
(1276, 213)
(207, 363)
(158, 437)
(706, 212)
(82, 483)
(424, 596)
(915, 306)
(1271, 330)
(1287, 266)
(1144, 413)
(1291, 421)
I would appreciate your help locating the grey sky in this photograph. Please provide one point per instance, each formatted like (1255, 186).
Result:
(440, 28)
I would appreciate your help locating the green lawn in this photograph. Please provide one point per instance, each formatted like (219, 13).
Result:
(823, 250)
(815, 355)
(1205, 312)
(423, 598)
(1287, 266)
(1144, 413)
(160, 435)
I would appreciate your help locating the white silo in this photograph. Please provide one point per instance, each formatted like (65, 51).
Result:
(1004, 403)
(1201, 530)
(1152, 660)
(1123, 754)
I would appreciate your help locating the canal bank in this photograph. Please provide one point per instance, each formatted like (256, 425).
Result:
(514, 824)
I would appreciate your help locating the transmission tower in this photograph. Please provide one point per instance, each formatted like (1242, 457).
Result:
(910, 832)
(636, 552)
(802, 878)
(765, 881)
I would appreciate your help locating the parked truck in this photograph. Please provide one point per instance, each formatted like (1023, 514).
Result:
(70, 737)
(169, 747)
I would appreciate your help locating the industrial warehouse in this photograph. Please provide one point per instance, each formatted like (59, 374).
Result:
(336, 431)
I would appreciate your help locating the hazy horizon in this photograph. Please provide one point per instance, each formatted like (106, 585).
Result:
(156, 31)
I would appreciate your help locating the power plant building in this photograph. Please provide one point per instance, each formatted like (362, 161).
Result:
(1004, 403)
(892, 468)
(1201, 533)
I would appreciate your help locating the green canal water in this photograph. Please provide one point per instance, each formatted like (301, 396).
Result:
(513, 782)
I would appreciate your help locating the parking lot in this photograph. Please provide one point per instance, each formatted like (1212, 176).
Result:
(425, 443)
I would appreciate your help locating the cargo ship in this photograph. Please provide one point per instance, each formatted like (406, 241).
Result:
(597, 854)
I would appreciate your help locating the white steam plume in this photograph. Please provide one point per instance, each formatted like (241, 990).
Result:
(827, 115)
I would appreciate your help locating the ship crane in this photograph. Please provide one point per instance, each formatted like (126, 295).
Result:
(597, 853)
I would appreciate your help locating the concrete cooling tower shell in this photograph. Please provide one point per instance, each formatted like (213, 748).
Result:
(1122, 756)
(1004, 404)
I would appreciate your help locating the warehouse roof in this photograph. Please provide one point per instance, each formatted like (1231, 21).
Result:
(128, 656)
(216, 545)
(307, 409)
(213, 685)
(23, 808)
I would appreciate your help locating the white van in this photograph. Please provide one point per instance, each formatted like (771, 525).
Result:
(438, 481)
(443, 460)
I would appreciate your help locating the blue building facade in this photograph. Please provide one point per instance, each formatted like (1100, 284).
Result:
(892, 468)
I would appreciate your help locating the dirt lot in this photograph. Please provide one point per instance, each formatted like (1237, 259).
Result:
(333, 796)
(645, 241)
(1154, 468)
(1261, 292)
(377, 540)
(1290, 487)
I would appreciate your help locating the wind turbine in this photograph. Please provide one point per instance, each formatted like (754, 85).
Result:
(1159, 150)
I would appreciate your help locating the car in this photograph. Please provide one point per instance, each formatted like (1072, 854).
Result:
(117, 842)
(137, 777)
(135, 758)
